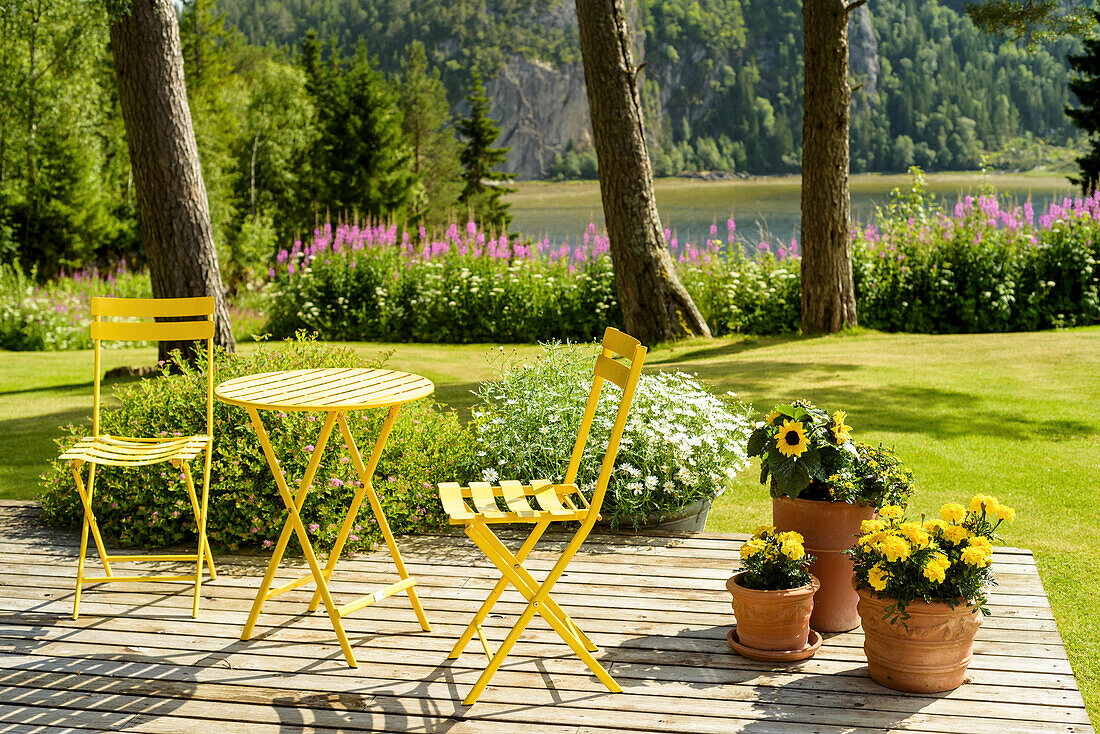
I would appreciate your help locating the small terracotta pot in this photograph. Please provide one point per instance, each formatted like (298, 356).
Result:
(828, 529)
(772, 620)
(927, 654)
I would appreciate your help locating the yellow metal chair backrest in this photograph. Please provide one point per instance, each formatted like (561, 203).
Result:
(201, 327)
(615, 344)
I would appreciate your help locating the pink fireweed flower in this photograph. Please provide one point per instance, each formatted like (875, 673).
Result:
(314, 527)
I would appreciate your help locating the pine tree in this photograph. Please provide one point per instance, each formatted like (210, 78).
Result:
(428, 133)
(484, 187)
(1086, 85)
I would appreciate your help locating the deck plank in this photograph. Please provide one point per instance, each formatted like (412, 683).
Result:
(137, 661)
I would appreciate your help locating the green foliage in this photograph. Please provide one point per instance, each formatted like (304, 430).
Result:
(377, 292)
(1086, 86)
(681, 444)
(772, 561)
(801, 448)
(56, 316)
(742, 293)
(484, 185)
(875, 476)
(1032, 20)
(428, 133)
(148, 506)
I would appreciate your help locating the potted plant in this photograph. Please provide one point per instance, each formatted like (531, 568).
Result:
(823, 485)
(773, 596)
(922, 592)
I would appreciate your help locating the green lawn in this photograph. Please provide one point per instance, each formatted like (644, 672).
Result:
(1014, 415)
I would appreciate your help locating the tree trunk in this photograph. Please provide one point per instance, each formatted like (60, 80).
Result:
(656, 306)
(171, 196)
(828, 293)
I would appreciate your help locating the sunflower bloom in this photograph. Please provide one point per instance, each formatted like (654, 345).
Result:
(791, 440)
(770, 417)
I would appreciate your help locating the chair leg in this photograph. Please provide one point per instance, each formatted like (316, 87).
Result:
(538, 600)
(198, 511)
(490, 601)
(89, 525)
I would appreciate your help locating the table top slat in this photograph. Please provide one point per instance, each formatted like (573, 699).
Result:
(349, 388)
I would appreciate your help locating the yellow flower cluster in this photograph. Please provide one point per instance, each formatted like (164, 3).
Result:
(841, 432)
(877, 577)
(891, 512)
(992, 508)
(935, 568)
(766, 540)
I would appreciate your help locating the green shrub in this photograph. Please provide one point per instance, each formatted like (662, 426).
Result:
(148, 506)
(682, 444)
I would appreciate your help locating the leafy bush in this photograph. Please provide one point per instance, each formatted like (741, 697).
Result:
(148, 506)
(681, 444)
(363, 283)
(982, 267)
(56, 316)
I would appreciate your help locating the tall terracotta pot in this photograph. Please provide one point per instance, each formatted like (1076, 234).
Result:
(928, 654)
(772, 620)
(828, 529)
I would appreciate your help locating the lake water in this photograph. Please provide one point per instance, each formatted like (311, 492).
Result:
(765, 207)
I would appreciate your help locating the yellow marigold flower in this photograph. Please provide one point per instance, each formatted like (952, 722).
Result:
(763, 530)
(877, 577)
(872, 538)
(793, 549)
(890, 512)
(791, 440)
(915, 534)
(935, 569)
(933, 525)
(953, 512)
(770, 417)
(751, 547)
(955, 534)
(790, 535)
(1003, 512)
(982, 543)
(980, 502)
(871, 526)
(974, 556)
(894, 548)
(841, 432)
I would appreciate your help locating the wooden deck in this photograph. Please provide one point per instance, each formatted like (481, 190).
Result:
(136, 661)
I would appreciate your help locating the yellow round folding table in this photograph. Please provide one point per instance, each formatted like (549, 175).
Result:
(334, 392)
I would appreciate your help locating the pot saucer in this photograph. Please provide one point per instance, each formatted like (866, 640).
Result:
(775, 656)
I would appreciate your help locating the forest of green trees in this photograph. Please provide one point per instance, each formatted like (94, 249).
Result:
(945, 92)
(307, 110)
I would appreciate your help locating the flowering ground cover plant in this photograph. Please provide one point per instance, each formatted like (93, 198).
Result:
(940, 560)
(681, 444)
(801, 448)
(874, 476)
(142, 506)
(771, 561)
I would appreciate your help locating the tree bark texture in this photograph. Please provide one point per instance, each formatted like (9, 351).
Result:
(171, 196)
(828, 292)
(656, 306)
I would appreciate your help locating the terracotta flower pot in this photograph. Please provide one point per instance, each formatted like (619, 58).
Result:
(928, 654)
(772, 620)
(828, 529)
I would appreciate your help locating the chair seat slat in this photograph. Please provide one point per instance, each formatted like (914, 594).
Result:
(516, 500)
(450, 494)
(548, 499)
(484, 500)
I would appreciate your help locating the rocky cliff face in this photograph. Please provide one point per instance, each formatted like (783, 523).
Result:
(541, 110)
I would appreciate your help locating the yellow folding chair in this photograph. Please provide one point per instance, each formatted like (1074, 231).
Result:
(556, 502)
(97, 450)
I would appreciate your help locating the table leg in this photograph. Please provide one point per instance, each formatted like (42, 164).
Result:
(294, 524)
(366, 489)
